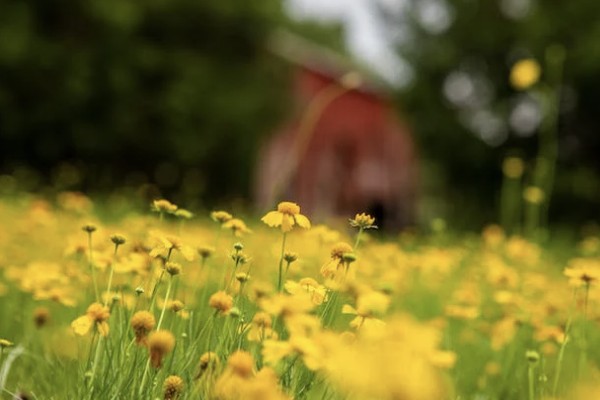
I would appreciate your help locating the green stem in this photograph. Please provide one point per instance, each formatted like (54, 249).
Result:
(162, 313)
(531, 379)
(91, 263)
(357, 241)
(279, 280)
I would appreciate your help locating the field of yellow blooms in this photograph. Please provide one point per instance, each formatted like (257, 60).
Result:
(165, 304)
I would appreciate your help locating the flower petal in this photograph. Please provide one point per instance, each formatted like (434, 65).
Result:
(81, 326)
(103, 328)
(286, 223)
(272, 218)
(348, 309)
(302, 221)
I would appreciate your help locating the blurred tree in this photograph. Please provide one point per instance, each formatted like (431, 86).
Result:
(174, 92)
(467, 117)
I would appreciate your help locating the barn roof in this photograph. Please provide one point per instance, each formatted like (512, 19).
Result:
(300, 51)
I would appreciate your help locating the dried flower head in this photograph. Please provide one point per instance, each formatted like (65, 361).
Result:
(41, 316)
(173, 268)
(118, 239)
(160, 343)
(290, 257)
(89, 228)
(142, 323)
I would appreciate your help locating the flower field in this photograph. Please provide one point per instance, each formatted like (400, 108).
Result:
(166, 304)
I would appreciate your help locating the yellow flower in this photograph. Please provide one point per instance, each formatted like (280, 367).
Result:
(95, 314)
(142, 322)
(221, 302)
(524, 74)
(220, 216)
(513, 167)
(533, 195)
(237, 226)
(335, 269)
(317, 292)
(172, 387)
(260, 328)
(286, 216)
(167, 243)
(163, 206)
(160, 343)
(207, 360)
(582, 271)
(363, 221)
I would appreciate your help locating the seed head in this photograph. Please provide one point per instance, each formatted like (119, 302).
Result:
(160, 343)
(176, 306)
(172, 387)
(41, 316)
(142, 323)
(89, 228)
(173, 268)
(290, 257)
(532, 356)
(118, 239)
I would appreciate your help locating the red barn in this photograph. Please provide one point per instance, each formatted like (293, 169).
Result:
(343, 151)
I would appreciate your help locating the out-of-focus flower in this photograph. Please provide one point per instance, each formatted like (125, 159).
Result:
(97, 315)
(524, 74)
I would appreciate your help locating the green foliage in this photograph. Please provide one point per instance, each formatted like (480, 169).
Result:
(117, 86)
(483, 42)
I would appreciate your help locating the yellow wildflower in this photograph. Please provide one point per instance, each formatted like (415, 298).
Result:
(363, 221)
(163, 206)
(237, 226)
(96, 314)
(208, 362)
(524, 74)
(165, 244)
(582, 271)
(220, 216)
(221, 301)
(260, 328)
(286, 216)
(142, 323)
(172, 387)
(160, 343)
